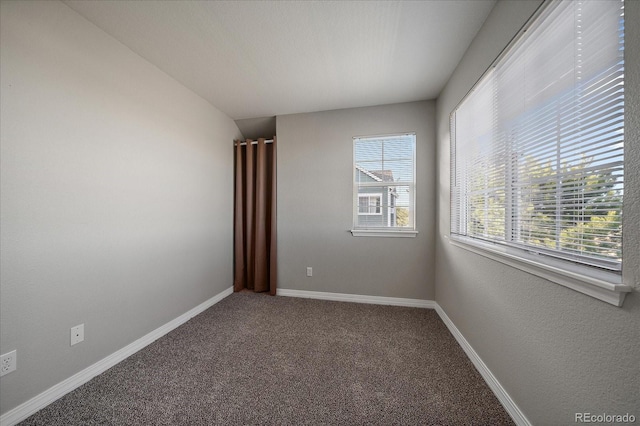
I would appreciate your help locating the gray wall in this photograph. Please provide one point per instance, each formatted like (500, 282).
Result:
(555, 351)
(315, 213)
(116, 196)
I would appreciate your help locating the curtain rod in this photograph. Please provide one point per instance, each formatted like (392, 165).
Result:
(256, 142)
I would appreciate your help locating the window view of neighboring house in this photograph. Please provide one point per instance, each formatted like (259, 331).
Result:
(376, 204)
(384, 171)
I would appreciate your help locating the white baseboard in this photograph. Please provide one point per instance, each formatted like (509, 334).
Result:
(357, 298)
(514, 411)
(40, 401)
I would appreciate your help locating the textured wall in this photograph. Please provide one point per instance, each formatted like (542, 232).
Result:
(315, 214)
(555, 351)
(116, 196)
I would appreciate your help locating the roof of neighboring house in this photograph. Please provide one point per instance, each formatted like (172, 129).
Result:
(377, 175)
(384, 175)
(368, 173)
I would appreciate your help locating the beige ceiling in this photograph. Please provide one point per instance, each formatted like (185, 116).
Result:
(265, 58)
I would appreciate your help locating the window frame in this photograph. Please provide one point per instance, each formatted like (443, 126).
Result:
(384, 231)
(378, 206)
(599, 283)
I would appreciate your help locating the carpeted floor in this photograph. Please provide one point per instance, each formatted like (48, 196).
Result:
(257, 359)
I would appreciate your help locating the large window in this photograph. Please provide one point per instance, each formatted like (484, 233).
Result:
(384, 185)
(537, 150)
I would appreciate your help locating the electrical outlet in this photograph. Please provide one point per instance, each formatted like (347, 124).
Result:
(77, 334)
(8, 363)
(309, 271)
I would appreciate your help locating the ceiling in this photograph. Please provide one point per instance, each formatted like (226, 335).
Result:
(265, 58)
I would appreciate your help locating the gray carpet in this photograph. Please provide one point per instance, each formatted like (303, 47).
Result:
(258, 359)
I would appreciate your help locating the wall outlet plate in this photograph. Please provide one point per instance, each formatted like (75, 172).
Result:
(9, 363)
(77, 334)
(309, 271)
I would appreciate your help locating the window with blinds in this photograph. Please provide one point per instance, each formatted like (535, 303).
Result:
(384, 185)
(537, 145)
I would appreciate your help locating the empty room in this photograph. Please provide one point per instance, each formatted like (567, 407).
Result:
(320, 212)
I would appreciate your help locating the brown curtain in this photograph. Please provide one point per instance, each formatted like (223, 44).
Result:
(255, 216)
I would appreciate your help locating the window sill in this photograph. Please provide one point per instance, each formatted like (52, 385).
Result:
(383, 233)
(600, 284)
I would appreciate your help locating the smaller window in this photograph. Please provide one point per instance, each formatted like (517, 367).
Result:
(369, 204)
(384, 185)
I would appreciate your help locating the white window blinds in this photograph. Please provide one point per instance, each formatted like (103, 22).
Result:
(537, 145)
